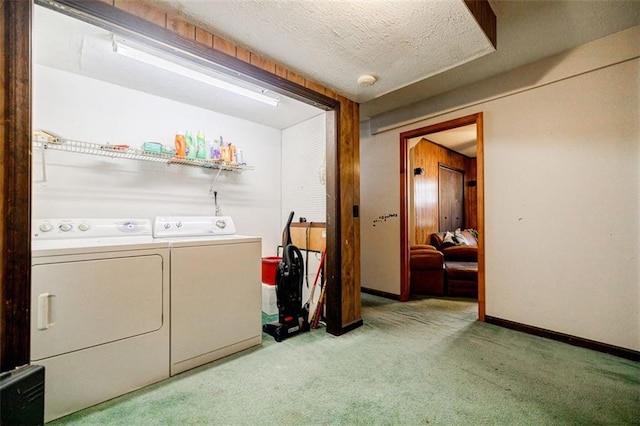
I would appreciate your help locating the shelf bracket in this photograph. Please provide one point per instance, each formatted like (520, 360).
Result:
(213, 182)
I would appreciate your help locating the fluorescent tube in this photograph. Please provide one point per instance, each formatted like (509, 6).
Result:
(156, 61)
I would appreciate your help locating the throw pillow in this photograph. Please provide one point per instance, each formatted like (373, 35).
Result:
(459, 239)
(448, 239)
(473, 232)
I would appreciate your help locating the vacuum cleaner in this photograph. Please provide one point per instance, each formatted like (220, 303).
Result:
(292, 316)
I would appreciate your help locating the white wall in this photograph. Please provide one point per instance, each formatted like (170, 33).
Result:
(303, 170)
(303, 181)
(562, 191)
(80, 185)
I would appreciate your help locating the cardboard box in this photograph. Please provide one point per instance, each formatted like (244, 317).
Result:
(310, 236)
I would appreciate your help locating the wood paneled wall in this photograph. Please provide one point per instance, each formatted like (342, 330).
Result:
(349, 184)
(471, 193)
(429, 156)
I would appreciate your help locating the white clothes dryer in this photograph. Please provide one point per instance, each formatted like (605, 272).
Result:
(99, 310)
(216, 288)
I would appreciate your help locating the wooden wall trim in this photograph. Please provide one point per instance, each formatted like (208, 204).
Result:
(439, 127)
(405, 290)
(480, 217)
(15, 288)
(333, 257)
(477, 119)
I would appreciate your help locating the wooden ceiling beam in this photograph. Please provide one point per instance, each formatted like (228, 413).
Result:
(482, 12)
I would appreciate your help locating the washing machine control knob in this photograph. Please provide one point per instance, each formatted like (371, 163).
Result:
(66, 227)
(220, 223)
(46, 227)
(179, 225)
(84, 227)
(166, 226)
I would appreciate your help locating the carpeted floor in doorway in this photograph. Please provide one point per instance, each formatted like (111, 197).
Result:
(422, 362)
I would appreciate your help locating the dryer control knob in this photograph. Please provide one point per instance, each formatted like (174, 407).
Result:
(167, 225)
(84, 227)
(221, 223)
(46, 227)
(66, 227)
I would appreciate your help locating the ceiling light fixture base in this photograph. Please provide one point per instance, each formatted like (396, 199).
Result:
(367, 80)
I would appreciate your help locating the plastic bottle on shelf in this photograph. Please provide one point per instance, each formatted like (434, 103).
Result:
(224, 151)
(181, 145)
(201, 145)
(216, 154)
(191, 144)
(208, 149)
(232, 153)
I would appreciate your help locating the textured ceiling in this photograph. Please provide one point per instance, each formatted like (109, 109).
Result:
(334, 42)
(417, 48)
(527, 31)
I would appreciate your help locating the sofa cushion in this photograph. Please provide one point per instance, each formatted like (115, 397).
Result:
(418, 247)
(461, 253)
(426, 259)
(466, 271)
(462, 279)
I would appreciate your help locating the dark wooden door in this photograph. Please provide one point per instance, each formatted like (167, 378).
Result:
(450, 199)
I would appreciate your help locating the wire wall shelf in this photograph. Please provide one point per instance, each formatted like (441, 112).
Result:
(45, 141)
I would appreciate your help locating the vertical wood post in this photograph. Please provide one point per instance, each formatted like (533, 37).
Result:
(15, 179)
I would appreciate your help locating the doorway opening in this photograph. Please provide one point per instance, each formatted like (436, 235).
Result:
(416, 225)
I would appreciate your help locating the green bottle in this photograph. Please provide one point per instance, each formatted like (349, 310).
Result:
(191, 144)
(201, 145)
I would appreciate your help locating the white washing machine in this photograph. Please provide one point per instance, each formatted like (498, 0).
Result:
(99, 309)
(216, 288)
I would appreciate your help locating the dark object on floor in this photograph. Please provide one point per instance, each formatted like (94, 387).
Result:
(292, 316)
(22, 396)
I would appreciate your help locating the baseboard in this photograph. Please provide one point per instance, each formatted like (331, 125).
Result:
(565, 338)
(380, 293)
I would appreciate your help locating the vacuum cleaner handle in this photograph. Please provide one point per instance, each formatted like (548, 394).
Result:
(286, 237)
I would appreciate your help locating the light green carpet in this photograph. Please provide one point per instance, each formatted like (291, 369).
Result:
(422, 362)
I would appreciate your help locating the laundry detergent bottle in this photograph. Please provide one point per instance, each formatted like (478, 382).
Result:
(191, 144)
(224, 151)
(181, 145)
(201, 145)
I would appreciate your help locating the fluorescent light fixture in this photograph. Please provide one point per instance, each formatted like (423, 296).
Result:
(175, 68)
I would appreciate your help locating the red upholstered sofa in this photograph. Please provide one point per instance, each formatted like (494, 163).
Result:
(460, 261)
